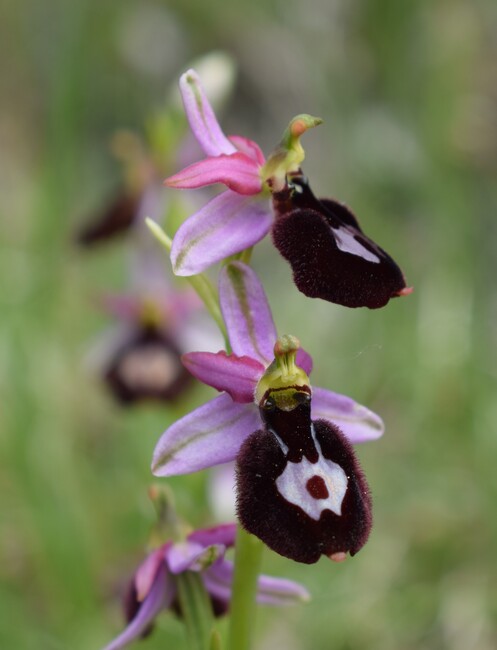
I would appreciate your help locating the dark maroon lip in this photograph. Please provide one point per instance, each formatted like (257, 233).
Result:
(308, 232)
(292, 438)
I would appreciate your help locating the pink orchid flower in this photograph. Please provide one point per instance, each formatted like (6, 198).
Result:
(214, 433)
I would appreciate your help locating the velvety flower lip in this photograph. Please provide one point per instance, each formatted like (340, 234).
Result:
(300, 488)
(213, 433)
(330, 255)
(140, 196)
(154, 587)
(235, 219)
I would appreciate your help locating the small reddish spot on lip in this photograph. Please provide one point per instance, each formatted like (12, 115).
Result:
(317, 488)
(405, 291)
(338, 557)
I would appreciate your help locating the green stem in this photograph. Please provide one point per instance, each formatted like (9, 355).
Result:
(248, 557)
(196, 610)
(201, 283)
(215, 641)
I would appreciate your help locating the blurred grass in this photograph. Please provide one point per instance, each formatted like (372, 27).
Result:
(408, 93)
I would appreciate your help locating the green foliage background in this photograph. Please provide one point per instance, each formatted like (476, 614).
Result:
(408, 91)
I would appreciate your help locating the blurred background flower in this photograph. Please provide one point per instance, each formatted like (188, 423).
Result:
(154, 587)
(408, 95)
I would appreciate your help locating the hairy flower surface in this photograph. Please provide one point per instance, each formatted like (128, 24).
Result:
(153, 587)
(330, 255)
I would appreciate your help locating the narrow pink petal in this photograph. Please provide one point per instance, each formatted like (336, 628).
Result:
(201, 117)
(160, 597)
(226, 225)
(357, 422)
(192, 556)
(246, 312)
(237, 376)
(222, 534)
(249, 147)
(239, 172)
(210, 435)
(145, 575)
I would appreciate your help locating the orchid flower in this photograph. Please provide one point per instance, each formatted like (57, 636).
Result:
(153, 587)
(216, 432)
(155, 323)
(330, 255)
(140, 357)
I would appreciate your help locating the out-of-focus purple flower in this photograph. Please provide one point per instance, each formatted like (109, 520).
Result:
(155, 322)
(139, 195)
(153, 587)
(140, 357)
(142, 360)
(214, 433)
(114, 218)
(146, 160)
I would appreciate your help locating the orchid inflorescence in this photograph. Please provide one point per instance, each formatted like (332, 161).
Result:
(299, 486)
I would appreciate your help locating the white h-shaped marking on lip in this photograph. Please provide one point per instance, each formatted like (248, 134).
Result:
(347, 243)
(292, 482)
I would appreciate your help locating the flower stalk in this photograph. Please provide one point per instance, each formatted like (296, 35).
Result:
(200, 282)
(248, 558)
